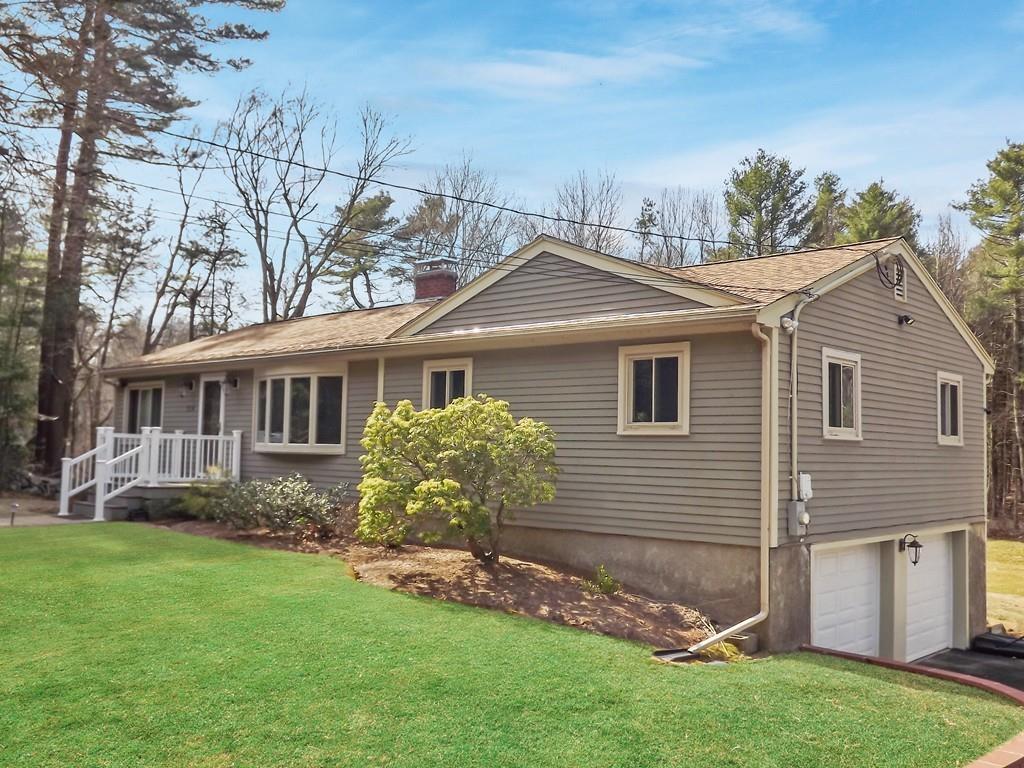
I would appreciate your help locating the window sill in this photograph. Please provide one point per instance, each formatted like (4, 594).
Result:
(952, 442)
(649, 430)
(316, 450)
(847, 437)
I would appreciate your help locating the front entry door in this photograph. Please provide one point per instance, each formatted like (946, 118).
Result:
(210, 413)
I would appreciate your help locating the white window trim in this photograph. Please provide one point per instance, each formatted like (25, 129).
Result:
(941, 377)
(223, 379)
(447, 364)
(143, 385)
(339, 369)
(829, 355)
(680, 349)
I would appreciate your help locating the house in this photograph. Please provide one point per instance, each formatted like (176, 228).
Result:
(775, 440)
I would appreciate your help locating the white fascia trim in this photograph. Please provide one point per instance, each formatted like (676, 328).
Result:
(544, 244)
(890, 535)
(735, 318)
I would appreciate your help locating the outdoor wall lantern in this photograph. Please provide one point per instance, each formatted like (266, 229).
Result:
(906, 320)
(187, 386)
(909, 543)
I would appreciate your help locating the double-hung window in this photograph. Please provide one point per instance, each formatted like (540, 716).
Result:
(949, 390)
(143, 406)
(301, 412)
(841, 395)
(654, 382)
(446, 380)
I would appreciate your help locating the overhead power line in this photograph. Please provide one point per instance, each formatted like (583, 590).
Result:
(493, 262)
(408, 188)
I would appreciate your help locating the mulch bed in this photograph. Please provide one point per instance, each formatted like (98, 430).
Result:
(515, 586)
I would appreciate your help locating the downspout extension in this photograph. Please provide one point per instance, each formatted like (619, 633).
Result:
(768, 466)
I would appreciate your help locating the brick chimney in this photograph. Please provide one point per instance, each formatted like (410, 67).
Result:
(434, 278)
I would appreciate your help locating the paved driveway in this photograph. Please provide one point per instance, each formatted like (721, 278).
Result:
(1002, 669)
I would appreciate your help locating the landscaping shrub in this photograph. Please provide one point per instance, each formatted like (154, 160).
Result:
(460, 470)
(286, 504)
(604, 584)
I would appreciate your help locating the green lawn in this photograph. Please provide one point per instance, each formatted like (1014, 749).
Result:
(125, 645)
(1006, 583)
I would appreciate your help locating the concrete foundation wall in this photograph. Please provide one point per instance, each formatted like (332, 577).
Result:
(718, 579)
(977, 586)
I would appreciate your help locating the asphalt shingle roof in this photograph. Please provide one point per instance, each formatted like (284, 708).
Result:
(756, 281)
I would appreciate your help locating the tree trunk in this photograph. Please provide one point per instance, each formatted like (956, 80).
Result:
(46, 432)
(1015, 394)
(67, 309)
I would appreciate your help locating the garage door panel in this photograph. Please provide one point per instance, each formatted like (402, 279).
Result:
(930, 599)
(845, 602)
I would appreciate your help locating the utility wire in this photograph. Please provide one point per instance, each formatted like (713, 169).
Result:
(405, 187)
(484, 264)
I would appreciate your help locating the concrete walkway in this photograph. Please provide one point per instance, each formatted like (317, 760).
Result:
(23, 510)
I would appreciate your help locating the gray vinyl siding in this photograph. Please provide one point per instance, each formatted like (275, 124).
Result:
(551, 288)
(897, 476)
(701, 487)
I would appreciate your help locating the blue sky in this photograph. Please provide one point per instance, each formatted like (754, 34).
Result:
(659, 93)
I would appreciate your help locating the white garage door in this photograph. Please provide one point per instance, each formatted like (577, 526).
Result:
(930, 599)
(845, 599)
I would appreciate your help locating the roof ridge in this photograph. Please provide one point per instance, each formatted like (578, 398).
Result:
(788, 253)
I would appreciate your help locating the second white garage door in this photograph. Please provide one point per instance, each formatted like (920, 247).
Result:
(845, 598)
(930, 599)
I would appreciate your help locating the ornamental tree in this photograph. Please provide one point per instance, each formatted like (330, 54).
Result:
(460, 470)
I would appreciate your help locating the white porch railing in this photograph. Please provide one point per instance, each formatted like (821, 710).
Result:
(121, 461)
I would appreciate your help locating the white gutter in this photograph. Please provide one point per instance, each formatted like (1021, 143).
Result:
(522, 335)
(768, 466)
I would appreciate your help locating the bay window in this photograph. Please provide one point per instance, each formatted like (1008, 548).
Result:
(302, 413)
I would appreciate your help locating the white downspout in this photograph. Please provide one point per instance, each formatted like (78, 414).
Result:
(768, 466)
(792, 327)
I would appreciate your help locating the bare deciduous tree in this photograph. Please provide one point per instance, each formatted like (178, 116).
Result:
(584, 208)
(277, 152)
(462, 218)
(681, 228)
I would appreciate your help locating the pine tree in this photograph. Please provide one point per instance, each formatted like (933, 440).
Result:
(110, 76)
(877, 212)
(767, 205)
(996, 207)
(827, 220)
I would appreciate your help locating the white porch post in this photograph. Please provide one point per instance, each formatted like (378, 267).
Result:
(105, 453)
(65, 486)
(149, 465)
(236, 454)
(176, 452)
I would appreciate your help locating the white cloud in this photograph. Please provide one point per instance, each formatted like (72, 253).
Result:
(931, 152)
(529, 72)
